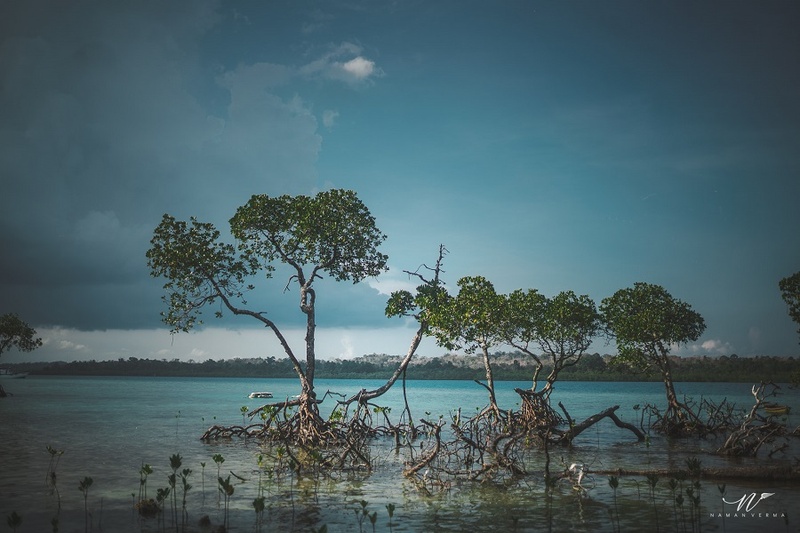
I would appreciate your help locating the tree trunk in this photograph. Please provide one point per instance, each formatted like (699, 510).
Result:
(489, 377)
(674, 417)
(364, 396)
(672, 399)
(308, 306)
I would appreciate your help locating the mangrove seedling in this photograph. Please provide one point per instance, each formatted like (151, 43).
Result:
(259, 506)
(175, 462)
(613, 482)
(226, 489)
(83, 486)
(50, 480)
(145, 471)
(218, 459)
(679, 501)
(362, 514)
(14, 520)
(203, 481)
(673, 487)
(652, 480)
(390, 510)
(372, 519)
(161, 496)
(185, 473)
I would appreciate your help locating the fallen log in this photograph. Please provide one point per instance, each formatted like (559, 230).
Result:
(568, 436)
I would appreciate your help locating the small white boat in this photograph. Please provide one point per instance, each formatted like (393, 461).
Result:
(8, 374)
(260, 395)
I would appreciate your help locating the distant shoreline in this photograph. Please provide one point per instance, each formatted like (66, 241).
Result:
(507, 367)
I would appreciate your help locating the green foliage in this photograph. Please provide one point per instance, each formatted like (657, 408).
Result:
(470, 320)
(790, 291)
(524, 313)
(199, 269)
(333, 231)
(16, 333)
(646, 321)
(567, 325)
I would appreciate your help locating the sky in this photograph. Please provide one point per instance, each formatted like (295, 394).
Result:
(576, 145)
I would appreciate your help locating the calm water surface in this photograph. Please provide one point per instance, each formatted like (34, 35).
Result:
(108, 427)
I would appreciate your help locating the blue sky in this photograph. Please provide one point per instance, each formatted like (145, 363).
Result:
(552, 145)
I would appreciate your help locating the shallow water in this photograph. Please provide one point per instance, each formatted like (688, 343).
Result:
(109, 427)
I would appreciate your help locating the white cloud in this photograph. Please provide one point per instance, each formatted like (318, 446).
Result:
(70, 346)
(347, 348)
(217, 343)
(709, 347)
(197, 353)
(390, 282)
(716, 346)
(329, 117)
(359, 67)
(331, 65)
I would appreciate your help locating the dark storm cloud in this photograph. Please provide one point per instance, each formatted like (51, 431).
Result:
(104, 129)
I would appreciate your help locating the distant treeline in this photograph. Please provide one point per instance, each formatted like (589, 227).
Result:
(507, 367)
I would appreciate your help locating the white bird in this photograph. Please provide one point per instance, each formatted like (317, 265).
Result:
(577, 468)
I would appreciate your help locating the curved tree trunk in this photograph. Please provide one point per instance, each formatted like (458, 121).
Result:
(673, 405)
(364, 395)
(576, 429)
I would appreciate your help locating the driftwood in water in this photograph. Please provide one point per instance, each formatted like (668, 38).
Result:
(566, 437)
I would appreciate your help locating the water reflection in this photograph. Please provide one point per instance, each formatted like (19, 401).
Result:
(110, 427)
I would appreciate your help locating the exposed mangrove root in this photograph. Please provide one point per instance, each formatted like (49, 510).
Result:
(759, 427)
(494, 447)
(342, 442)
(689, 418)
(536, 411)
(484, 447)
(431, 454)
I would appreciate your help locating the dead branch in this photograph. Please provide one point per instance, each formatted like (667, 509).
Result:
(757, 429)
(568, 436)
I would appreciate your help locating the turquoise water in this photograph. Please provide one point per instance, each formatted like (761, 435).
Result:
(109, 427)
